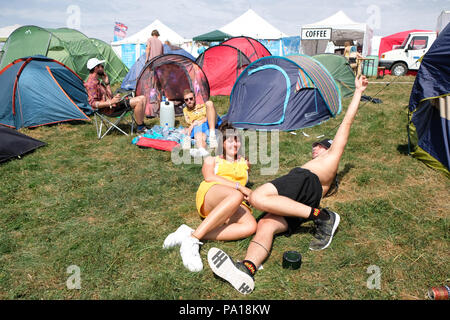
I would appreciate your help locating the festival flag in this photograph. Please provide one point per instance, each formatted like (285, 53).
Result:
(120, 31)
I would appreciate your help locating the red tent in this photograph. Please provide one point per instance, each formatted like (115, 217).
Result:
(222, 65)
(388, 42)
(252, 48)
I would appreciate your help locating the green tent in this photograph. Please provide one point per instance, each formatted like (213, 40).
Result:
(341, 71)
(68, 46)
(215, 35)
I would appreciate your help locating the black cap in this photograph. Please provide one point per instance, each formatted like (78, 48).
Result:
(325, 143)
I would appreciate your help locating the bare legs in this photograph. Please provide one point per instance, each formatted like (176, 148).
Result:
(138, 106)
(266, 198)
(211, 116)
(226, 218)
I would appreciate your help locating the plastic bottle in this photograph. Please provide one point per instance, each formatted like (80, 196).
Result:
(165, 131)
(167, 113)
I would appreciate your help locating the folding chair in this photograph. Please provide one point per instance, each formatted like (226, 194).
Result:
(102, 117)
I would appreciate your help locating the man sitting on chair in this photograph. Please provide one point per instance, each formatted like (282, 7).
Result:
(101, 97)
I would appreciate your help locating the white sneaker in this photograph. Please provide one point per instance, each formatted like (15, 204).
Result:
(202, 152)
(186, 143)
(190, 254)
(175, 238)
(194, 152)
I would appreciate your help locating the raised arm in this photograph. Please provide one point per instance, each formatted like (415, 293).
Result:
(341, 137)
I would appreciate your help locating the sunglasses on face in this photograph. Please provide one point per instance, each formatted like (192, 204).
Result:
(189, 99)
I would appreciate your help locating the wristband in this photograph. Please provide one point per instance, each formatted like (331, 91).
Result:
(237, 185)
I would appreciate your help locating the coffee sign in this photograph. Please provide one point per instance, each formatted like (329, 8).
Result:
(316, 34)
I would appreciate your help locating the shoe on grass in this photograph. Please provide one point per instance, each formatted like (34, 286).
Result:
(175, 238)
(190, 254)
(235, 273)
(325, 230)
(142, 129)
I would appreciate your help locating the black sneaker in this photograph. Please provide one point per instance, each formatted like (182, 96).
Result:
(325, 230)
(143, 129)
(235, 273)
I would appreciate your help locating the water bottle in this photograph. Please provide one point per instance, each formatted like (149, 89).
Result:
(167, 113)
(166, 131)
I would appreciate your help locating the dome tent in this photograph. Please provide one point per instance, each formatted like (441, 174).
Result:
(252, 48)
(15, 144)
(341, 71)
(275, 93)
(222, 65)
(429, 106)
(37, 90)
(68, 46)
(129, 82)
(170, 75)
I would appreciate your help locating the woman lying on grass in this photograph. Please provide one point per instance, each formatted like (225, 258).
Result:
(220, 203)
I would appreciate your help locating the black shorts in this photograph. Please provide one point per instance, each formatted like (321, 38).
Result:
(302, 186)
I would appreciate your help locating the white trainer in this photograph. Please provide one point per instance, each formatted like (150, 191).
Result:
(202, 152)
(186, 143)
(194, 152)
(175, 238)
(190, 254)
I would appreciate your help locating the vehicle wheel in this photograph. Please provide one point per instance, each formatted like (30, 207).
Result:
(399, 69)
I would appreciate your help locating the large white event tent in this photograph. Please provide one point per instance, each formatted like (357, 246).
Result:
(132, 47)
(343, 29)
(250, 24)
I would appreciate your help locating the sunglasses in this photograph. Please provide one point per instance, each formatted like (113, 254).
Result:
(189, 99)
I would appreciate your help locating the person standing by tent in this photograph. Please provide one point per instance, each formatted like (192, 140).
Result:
(290, 199)
(347, 48)
(100, 95)
(202, 120)
(154, 46)
(220, 203)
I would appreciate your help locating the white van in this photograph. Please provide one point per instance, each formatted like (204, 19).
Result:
(406, 57)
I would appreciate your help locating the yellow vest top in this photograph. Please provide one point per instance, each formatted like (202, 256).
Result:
(236, 171)
(198, 113)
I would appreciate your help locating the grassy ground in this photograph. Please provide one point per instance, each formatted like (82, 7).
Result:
(106, 206)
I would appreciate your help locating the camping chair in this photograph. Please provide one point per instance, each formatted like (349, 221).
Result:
(102, 117)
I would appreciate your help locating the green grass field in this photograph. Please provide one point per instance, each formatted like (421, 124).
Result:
(106, 206)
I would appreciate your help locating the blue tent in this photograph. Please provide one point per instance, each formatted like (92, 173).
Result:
(277, 93)
(37, 90)
(129, 82)
(429, 105)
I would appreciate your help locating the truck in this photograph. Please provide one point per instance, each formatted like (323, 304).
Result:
(407, 56)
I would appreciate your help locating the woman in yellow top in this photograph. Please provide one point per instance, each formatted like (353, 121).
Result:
(220, 201)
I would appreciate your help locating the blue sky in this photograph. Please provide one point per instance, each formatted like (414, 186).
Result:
(194, 17)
